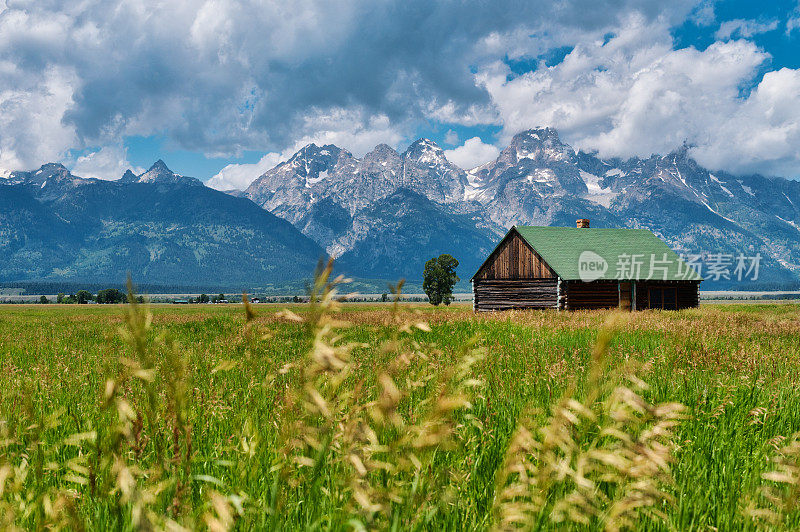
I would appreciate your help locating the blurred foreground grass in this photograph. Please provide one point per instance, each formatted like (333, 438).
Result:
(414, 417)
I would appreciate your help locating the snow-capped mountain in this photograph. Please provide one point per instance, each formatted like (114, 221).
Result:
(329, 195)
(382, 215)
(352, 207)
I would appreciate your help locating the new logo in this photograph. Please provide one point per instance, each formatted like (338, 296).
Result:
(591, 266)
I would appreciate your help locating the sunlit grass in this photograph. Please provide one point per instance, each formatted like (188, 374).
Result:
(370, 416)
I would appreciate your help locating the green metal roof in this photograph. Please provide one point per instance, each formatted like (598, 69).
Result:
(590, 254)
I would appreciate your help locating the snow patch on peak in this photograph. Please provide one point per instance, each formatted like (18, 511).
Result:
(322, 176)
(541, 175)
(596, 193)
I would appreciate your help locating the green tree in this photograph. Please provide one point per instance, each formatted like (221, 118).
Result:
(60, 298)
(43, 300)
(439, 278)
(203, 298)
(384, 297)
(220, 297)
(110, 296)
(83, 296)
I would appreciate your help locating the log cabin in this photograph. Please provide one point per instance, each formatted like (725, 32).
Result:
(568, 268)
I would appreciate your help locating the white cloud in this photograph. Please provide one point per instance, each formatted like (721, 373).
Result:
(793, 23)
(31, 109)
(224, 76)
(109, 162)
(636, 95)
(239, 176)
(352, 129)
(704, 14)
(763, 132)
(742, 28)
(346, 128)
(473, 153)
(451, 137)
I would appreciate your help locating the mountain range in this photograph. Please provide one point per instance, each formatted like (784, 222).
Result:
(163, 228)
(385, 213)
(381, 215)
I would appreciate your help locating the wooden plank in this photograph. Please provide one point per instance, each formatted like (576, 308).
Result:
(514, 259)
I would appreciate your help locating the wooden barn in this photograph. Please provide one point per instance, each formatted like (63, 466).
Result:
(569, 268)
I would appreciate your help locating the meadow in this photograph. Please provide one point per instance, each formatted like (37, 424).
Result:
(340, 417)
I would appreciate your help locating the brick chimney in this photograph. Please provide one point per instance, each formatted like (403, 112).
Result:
(583, 223)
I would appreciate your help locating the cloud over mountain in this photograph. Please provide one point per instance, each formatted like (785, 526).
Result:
(634, 93)
(220, 77)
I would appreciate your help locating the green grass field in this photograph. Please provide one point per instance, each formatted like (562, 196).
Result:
(415, 418)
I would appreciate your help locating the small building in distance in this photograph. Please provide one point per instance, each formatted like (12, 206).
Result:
(569, 268)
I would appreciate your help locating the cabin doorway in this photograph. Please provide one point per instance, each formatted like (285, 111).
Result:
(662, 297)
(625, 295)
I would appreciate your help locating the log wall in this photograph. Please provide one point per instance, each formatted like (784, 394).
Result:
(596, 294)
(507, 294)
(514, 259)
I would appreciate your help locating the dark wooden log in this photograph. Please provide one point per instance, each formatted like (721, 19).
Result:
(514, 294)
(593, 295)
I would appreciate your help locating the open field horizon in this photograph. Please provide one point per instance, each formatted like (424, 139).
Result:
(211, 418)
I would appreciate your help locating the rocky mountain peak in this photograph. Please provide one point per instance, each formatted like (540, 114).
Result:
(49, 171)
(312, 151)
(382, 153)
(540, 144)
(159, 173)
(382, 150)
(312, 159)
(423, 147)
(129, 176)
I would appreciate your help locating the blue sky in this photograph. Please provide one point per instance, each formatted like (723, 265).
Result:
(223, 90)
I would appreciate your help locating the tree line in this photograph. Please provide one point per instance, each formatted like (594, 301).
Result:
(439, 279)
(81, 297)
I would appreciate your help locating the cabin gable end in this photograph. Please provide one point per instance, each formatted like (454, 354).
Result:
(514, 259)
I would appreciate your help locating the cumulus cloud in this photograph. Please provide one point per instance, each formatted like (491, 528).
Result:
(31, 109)
(239, 176)
(635, 94)
(744, 28)
(342, 127)
(109, 162)
(763, 132)
(472, 153)
(224, 76)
